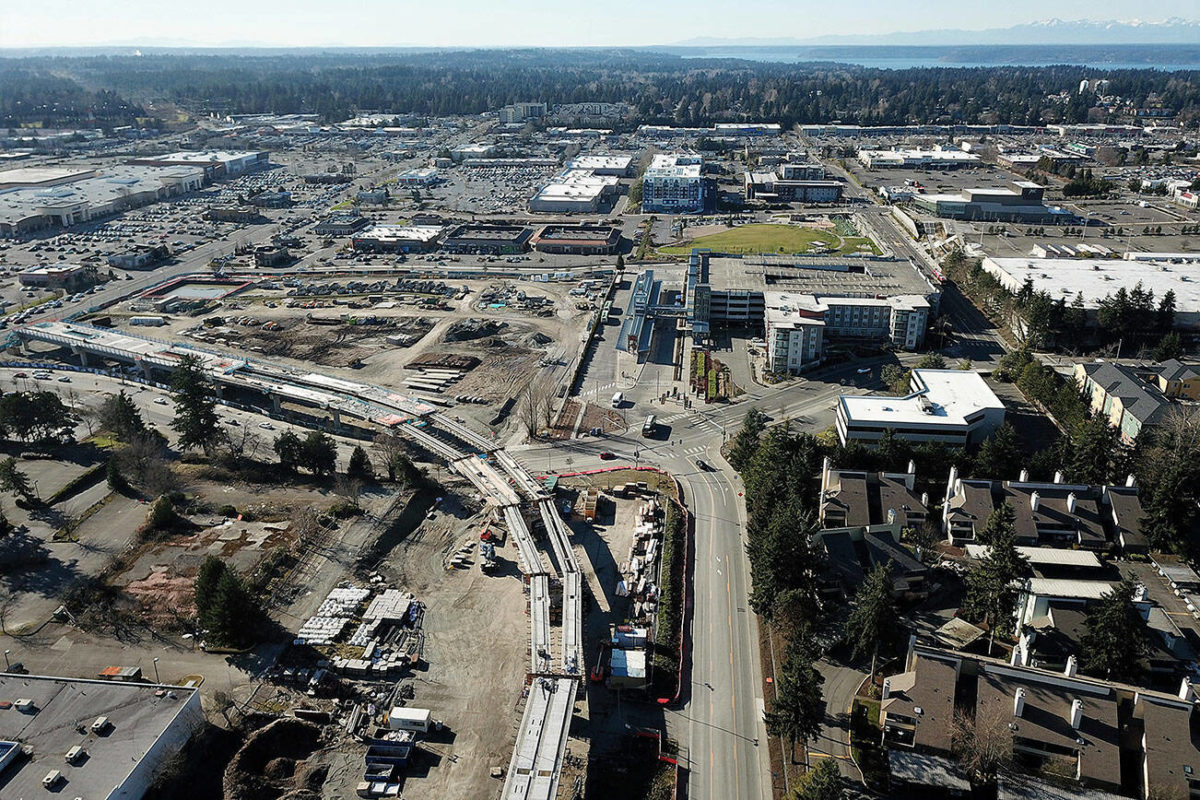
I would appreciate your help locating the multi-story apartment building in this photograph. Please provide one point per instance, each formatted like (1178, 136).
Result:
(675, 184)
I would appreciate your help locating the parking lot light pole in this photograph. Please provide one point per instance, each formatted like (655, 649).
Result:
(6, 664)
(156, 680)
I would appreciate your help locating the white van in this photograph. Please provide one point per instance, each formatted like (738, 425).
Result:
(618, 398)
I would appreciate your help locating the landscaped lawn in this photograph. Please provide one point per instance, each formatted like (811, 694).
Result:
(767, 238)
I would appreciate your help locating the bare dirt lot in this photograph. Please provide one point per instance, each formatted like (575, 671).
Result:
(311, 339)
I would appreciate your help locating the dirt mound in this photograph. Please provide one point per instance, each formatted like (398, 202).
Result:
(537, 339)
(263, 768)
(466, 330)
(310, 777)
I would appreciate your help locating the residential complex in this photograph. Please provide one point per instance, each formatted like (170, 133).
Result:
(1119, 393)
(521, 112)
(1057, 722)
(944, 405)
(675, 184)
(803, 182)
(1054, 514)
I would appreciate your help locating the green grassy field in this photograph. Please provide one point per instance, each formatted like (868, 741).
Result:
(765, 238)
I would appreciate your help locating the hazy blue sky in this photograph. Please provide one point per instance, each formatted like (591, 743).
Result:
(36, 23)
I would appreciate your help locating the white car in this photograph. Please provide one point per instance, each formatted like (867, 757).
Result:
(160, 401)
(266, 426)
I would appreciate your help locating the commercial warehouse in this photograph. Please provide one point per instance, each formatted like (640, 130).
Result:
(574, 191)
(120, 734)
(937, 158)
(116, 189)
(618, 166)
(391, 239)
(577, 239)
(215, 163)
(489, 239)
(1097, 278)
(1025, 206)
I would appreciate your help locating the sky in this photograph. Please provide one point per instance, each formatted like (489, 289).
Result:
(495, 23)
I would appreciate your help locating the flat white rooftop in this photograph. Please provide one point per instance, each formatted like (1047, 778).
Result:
(601, 162)
(940, 397)
(1096, 278)
(674, 165)
(409, 233)
(32, 176)
(209, 156)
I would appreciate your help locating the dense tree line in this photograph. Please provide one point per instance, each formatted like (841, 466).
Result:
(661, 87)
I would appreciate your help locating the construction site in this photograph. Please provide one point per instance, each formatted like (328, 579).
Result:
(415, 621)
(471, 344)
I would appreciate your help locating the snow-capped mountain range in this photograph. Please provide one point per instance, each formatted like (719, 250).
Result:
(1173, 30)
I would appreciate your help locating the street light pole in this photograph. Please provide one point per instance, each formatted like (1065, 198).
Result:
(6, 664)
(156, 680)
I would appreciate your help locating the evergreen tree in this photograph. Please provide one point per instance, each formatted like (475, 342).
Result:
(318, 453)
(119, 414)
(798, 709)
(1000, 455)
(932, 361)
(1114, 643)
(116, 481)
(990, 589)
(1170, 346)
(745, 443)
(205, 587)
(232, 613)
(360, 465)
(196, 419)
(288, 447)
(874, 615)
(1096, 453)
(13, 480)
(822, 782)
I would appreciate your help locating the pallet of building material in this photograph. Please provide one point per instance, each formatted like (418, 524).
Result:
(444, 361)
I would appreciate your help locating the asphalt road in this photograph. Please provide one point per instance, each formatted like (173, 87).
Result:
(720, 723)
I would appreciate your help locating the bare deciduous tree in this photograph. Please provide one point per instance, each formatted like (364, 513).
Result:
(537, 406)
(983, 746)
(349, 489)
